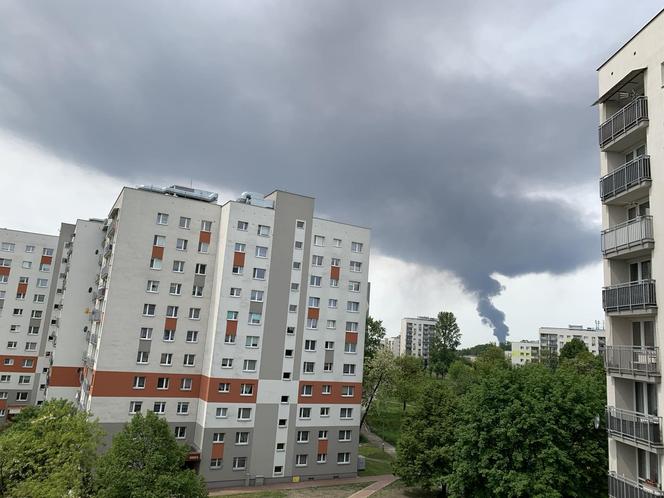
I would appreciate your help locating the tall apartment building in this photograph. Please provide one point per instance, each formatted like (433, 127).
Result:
(392, 344)
(552, 339)
(631, 141)
(524, 352)
(241, 324)
(415, 335)
(27, 270)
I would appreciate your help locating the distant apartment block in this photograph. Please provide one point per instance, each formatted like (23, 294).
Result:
(391, 344)
(524, 352)
(631, 143)
(552, 339)
(241, 324)
(415, 336)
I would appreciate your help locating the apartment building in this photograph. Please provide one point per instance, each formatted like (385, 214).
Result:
(27, 271)
(552, 339)
(523, 352)
(392, 344)
(415, 336)
(241, 324)
(631, 142)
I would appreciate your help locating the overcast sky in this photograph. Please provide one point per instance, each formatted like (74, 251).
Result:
(461, 132)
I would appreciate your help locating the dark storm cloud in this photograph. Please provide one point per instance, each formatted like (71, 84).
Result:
(423, 120)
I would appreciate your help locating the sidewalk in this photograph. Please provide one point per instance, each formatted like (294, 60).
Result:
(382, 482)
(377, 441)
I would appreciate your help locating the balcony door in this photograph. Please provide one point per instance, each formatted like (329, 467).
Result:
(645, 398)
(641, 209)
(640, 271)
(633, 154)
(643, 334)
(648, 465)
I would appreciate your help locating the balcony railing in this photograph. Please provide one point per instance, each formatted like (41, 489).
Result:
(633, 426)
(639, 295)
(627, 235)
(622, 487)
(623, 120)
(627, 176)
(632, 360)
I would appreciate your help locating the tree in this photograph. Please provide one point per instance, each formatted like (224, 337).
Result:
(49, 451)
(408, 378)
(443, 343)
(379, 373)
(374, 335)
(572, 349)
(145, 460)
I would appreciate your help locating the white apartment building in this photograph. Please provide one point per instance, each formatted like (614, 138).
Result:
(631, 142)
(241, 324)
(523, 352)
(415, 335)
(392, 344)
(552, 339)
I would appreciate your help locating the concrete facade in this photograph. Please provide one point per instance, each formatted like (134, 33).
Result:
(552, 339)
(415, 335)
(523, 352)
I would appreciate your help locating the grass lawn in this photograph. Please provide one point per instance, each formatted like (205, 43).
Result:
(386, 421)
(341, 491)
(378, 462)
(399, 490)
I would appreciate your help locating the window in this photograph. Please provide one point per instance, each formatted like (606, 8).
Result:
(299, 224)
(296, 265)
(14, 328)
(3, 395)
(159, 241)
(305, 412)
(355, 266)
(5, 378)
(17, 312)
(347, 391)
(321, 458)
(42, 282)
(236, 292)
(302, 436)
(326, 389)
(36, 314)
(239, 247)
(6, 263)
(278, 469)
(206, 226)
(335, 262)
(142, 357)
(189, 360)
(354, 286)
(180, 432)
(135, 406)
(216, 463)
(227, 363)
(31, 346)
(195, 313)
(145, 334)
(47, 251)
(238, 270)
(26, 264)
(332, 303)
(231, 315)
(284, 399)
(159, 407)
(319, 240)
(23, 280)
(44, 267)
(155, 264)
(203, 247)
(351, 326)
(241, 438)
(346, 413)
(298, 244)
(139, 383)
(178, 266)
(356, 246)
(153, 286)
(24, 379)
(239, 463)
(294, 286)
(263, 230)
(20, 296)
(352, 306)
(292, 308)
(197, 291)
(242, 226)
(218, 437)
(331, 324)
(307, 390)
(181, 244)
(308, 367)
(185, 384)
(349, 369)
(257, 296)
(343, 458)
(327, 367)
(229, 339)
(29, 248)
(259, 273)
(314, 302)
(244, 413)
(224, 387)
(149, 309)
(249, 366)
(255, 318)
(281, 423)
(309, 345)
(316, 260)
(162, 219)
(201, 269)
(192, 336)
(38, 298)
(288, 353)
(12, 344)
(251, 341)
(7, 247)
(166, 359)
(315, 281)
(8, 361)
(246, 389)
(290, 330)
(336, 242)
(184, 222)
(300, 460)
(221, 412)
(261, 252)
(312, 323)
(172, 311)
(334, 282)
(22, 396)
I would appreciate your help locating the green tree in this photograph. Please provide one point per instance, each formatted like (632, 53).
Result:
(572, 349)
(443, 343)
(379, 374)
(49, 451)
(374, 335)
(146, 461)
(408, 378)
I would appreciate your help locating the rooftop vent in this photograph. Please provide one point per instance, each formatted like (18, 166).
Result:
(255, 199)
(180, 191)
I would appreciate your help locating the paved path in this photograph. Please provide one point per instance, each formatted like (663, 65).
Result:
(382, 481)
(386, 478)
(378, 442)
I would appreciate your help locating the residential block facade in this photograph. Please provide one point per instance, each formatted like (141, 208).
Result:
(552, 339)
(524, 352)
(631, 142)
(415, 335)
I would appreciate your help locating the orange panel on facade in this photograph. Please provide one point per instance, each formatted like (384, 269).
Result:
(238, 259)
(4, 270)
(231, 327)
(46, 260)
(65, 377)
(322, 446)
(170, 323)
(21, 288)
(334, 272)
(217, 450)
(18, 364)
(334, 396)
(157, 252)
(313, 313)
(205, 237)
(351, 337)
(210, 390)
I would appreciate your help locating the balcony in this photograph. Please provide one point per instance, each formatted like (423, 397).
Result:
(630, 299)
(629, 239)
(640, 429)
(622, 487)
(632, 361)
(626, 127)
(627, 183)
